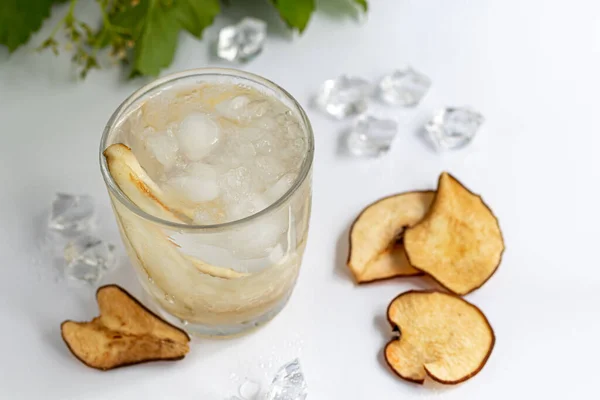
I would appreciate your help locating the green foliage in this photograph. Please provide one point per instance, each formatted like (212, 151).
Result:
(19, 19)
(143, 33)
(295, 13)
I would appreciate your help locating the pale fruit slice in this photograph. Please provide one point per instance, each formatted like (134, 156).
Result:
(140, 188)
(459, 242)
(376, 250)
(440, 335)
(146, 194)
(217, 272)
(125, 333)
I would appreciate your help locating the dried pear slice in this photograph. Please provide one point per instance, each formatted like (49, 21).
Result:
(441, 336)
(146, 194)
(125, 333)
(140, 188)
(376, 251)
(459, 242)
(217, 272)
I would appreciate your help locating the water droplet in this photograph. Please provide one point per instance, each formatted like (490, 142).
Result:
(169, 298)
(184, 322)
(249, 390)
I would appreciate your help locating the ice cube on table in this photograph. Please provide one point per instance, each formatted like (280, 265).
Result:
(194, 188)
(198, 134)
(164, 148)
(371, 136)
(242, 41)
(88, 259)
(404, 87)
(343, 96)
(453, 127)
(288, 384)
(71, 214)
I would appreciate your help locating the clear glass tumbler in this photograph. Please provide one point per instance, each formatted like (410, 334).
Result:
(199, 276)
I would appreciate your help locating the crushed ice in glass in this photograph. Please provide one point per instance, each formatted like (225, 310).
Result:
(288, 383)
(452, 128)
(242, 41)
(404, 87)
(371, 136)
(343, 96)
(88, 259)
(71, 214)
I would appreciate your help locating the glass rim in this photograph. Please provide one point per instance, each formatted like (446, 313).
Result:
(116, 191)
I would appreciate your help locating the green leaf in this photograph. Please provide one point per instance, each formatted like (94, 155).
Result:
(155, 47)
(195, 15)
(19, 19)
(295, 13)
(154, 27)
(132, 18)
(363, 4)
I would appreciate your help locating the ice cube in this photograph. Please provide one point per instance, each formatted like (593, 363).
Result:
(265, 144)
(280, 187)
(201, 170)
(71, 214)
(453, 128)
(232, 108)
(371, 136)
(246, 205)
(256, 240)
(269, 167)
(197, 135)
(242, 108)
(288, 384)
(194, 188)
(164, 148)
(242, 41)
(404, 87)
(343, 96)
(235, 184)
(88, 259)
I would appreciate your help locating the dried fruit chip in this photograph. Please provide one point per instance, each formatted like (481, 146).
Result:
(125, 333)
(459, 242)
(376, 250)
(441, 335)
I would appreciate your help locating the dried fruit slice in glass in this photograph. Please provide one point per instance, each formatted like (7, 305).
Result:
(140, 188)
(441, 336)
(376, 250)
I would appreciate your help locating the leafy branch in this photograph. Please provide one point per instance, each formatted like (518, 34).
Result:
(142, 33)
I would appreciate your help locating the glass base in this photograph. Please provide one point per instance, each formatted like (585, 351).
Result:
(219, 331)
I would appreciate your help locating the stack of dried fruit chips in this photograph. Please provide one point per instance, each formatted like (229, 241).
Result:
(452, 236)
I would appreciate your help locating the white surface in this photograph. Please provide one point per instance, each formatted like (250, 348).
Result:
(531, 67)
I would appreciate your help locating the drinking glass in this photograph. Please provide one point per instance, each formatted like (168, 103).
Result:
(201, 277)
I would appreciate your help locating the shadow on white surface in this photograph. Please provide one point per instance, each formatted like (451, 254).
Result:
(341, 255)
